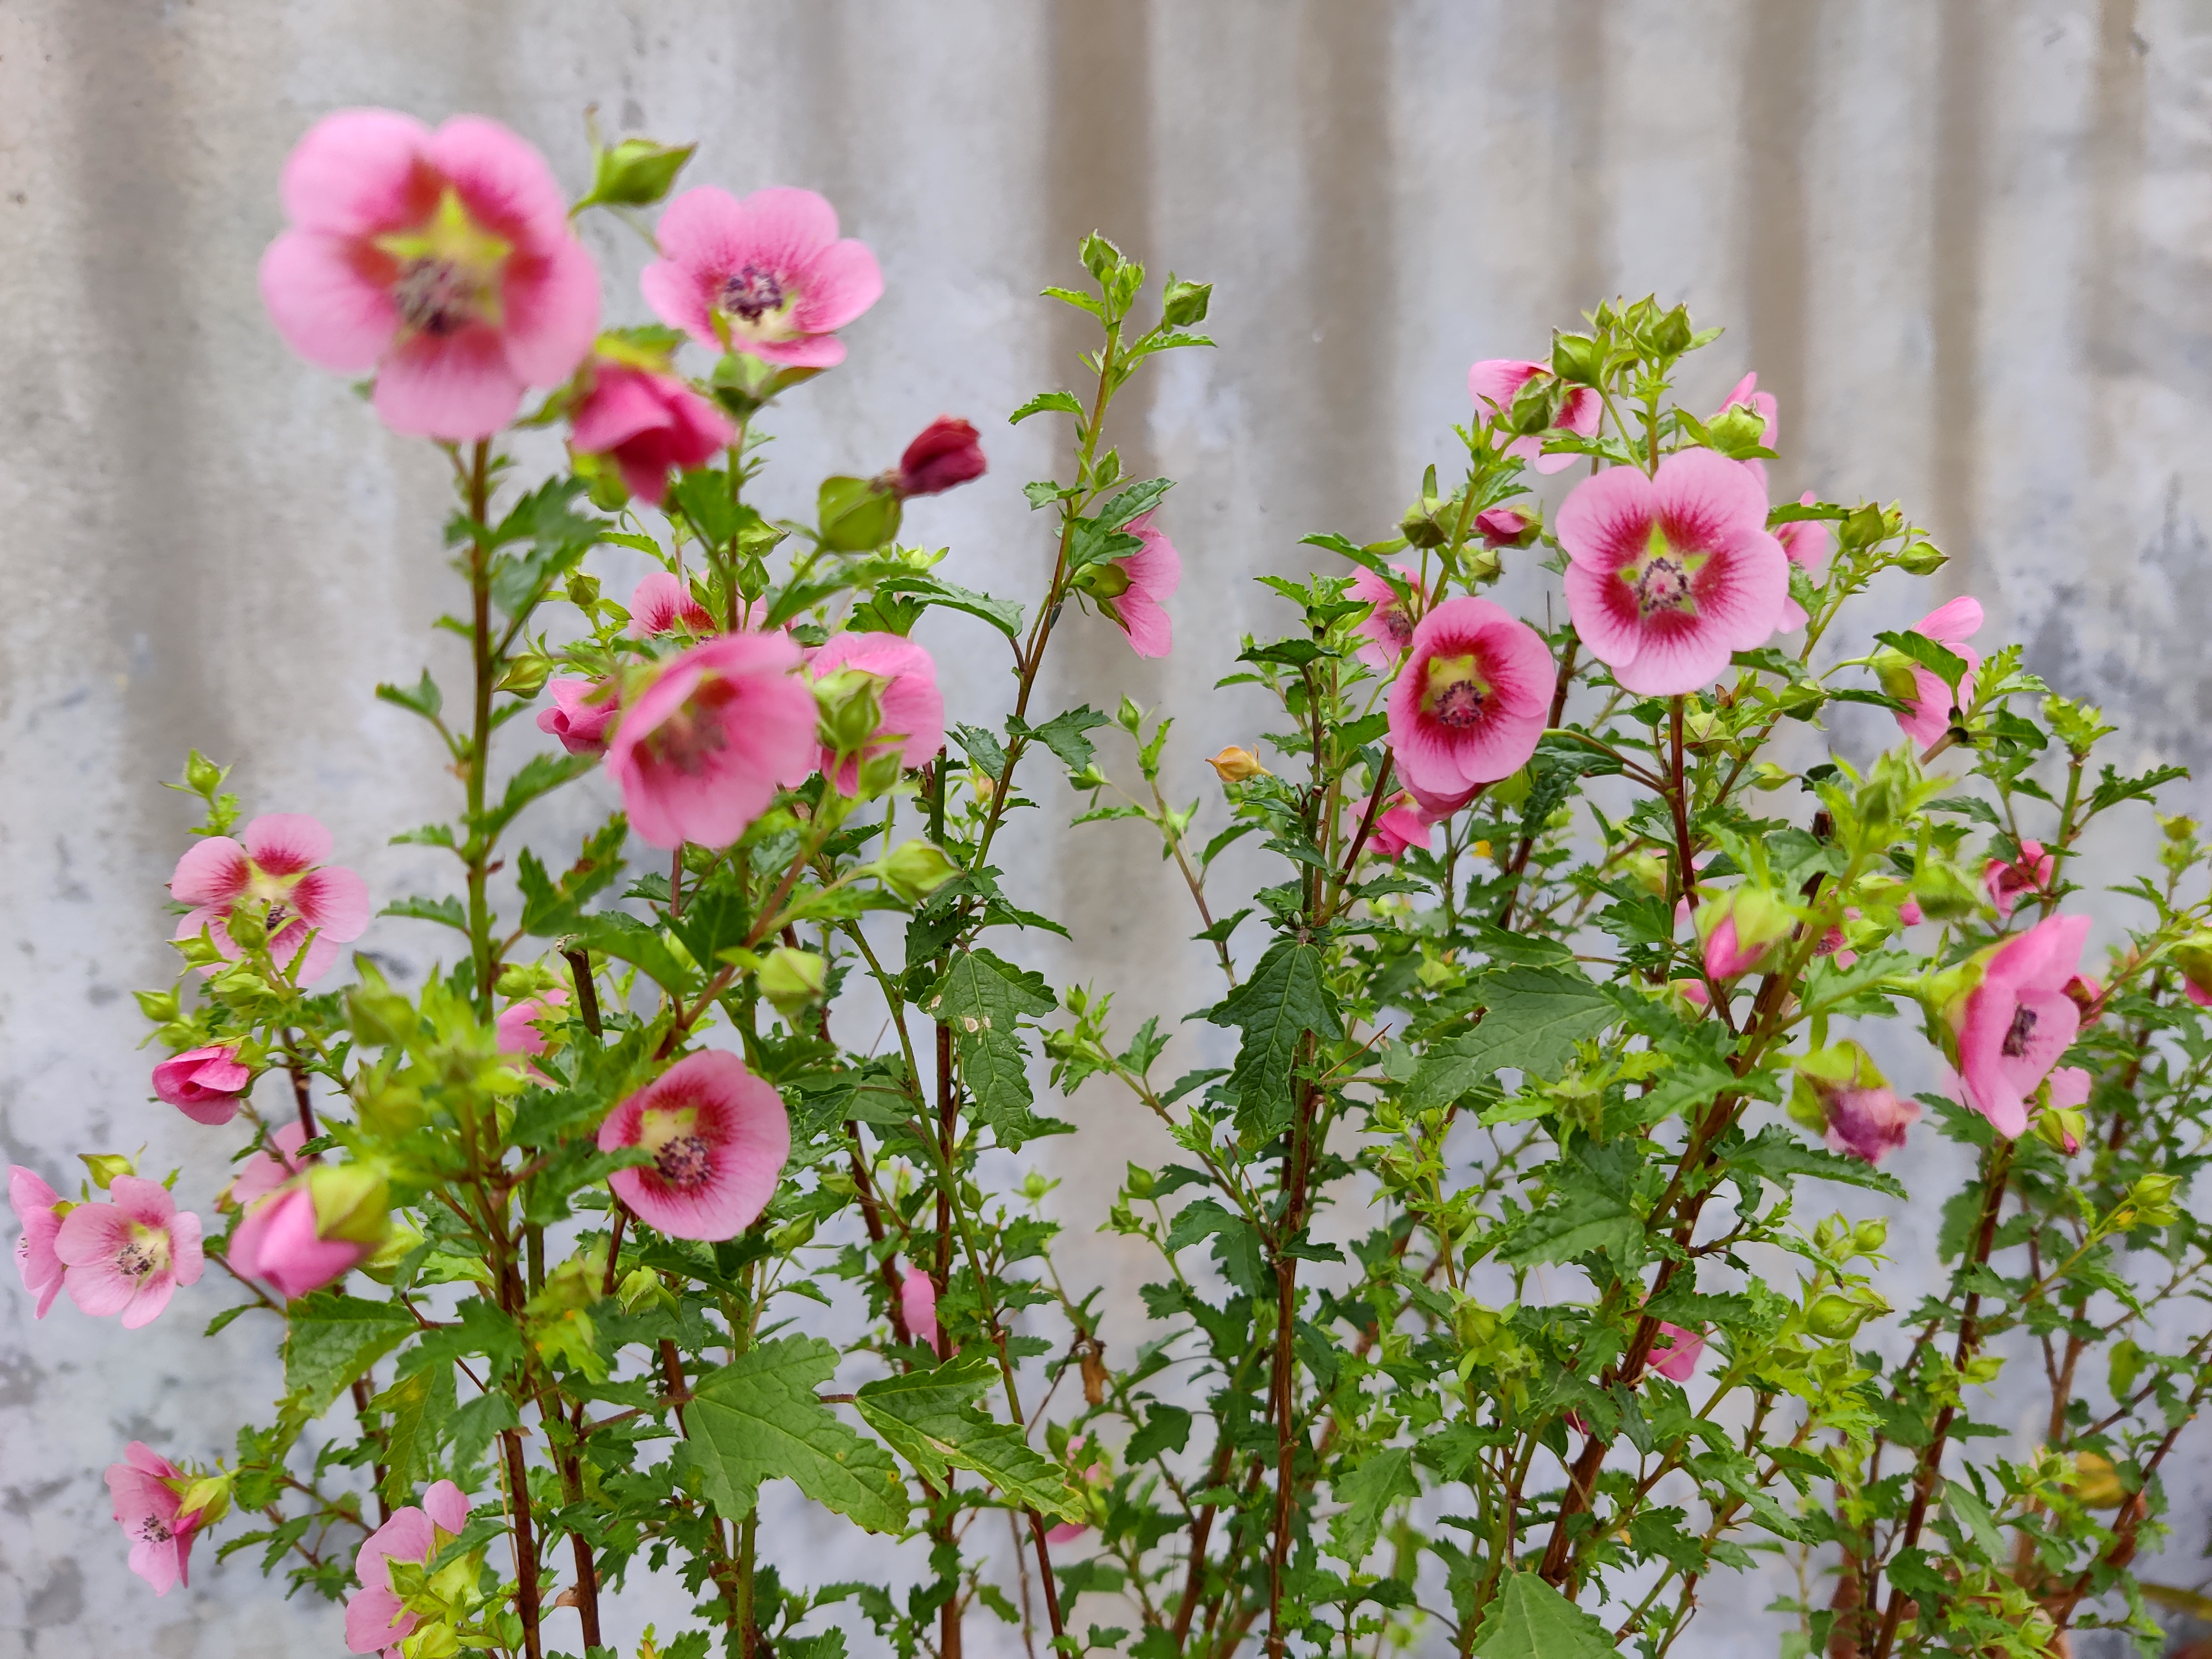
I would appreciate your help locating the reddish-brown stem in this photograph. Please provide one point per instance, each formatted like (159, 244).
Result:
(361, 1413)
(1561, 687)
(587, 992)
(526, 1547)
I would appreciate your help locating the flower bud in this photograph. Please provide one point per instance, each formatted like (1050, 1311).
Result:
(1671, 334)
(402, 1241)
(2193, 956)
(857, 515)
(1235, 765)
(1868, 1236)
(106, 1166)
(525, 675)
(849, 708)
(2151, 1198)
(159, 1007)
(1834, 1317)
(380, 1016)
(1647, 870)
(352, 1202)
(1945, 892)
(2062, 1129)
(915, 869)
(2096, 1482)
(946, 455)
(1184, 303)
(635, 173)
(1923, 559)
(1740, 929)
(1577, 358)
(1738, 431)
(1507, 526)
(793, 979)
(1420, 528)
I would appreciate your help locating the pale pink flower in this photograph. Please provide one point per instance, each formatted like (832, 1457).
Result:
(718, 1138)
(946, 454)
(663, 603)
(203, 1083)
(281, 864)
(582, 712)
(1154, 571)
(147, 1507)
(1950, 626)
(34, 1202)
(376, 1621)
(1470, 703)
(1401, 826)
(2011, 1027)
(2027, 877)
(766, 276)
(442, 261)
(911, 706)
(1496, 381)
(649, 424)
(281, 1242)
(918, 1307)
(1670, 574)
(1806, 542)
(263, 1172)
(517, 1024)
(1678, 1357)
(1390, 626)
(1868, 1124)
(129, 1257)
(699, 754)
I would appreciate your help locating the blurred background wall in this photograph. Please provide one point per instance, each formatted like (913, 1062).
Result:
(1965, 241)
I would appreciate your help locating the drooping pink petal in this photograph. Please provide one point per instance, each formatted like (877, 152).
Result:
(262, 1173)
(1401, 827)
(720, 1136)
(517, 1022)
(375, 1618)
(33, 1202)
(279, 1242)
(1675, 1354)
(147, 1508)
(1868, 1124)
(448, 1506)
(1155, 571)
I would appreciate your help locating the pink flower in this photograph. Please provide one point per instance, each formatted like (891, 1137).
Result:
(1928, 716)
(375, 1619)
(203, 1083)
(582, 712)
(1747, 395)
(1470, 703)
(1908, 914)
(2027, 876)
(766, 276)
(947, 454)
(264, 1172)
(34, 1204)
(911, 707)
(129, 1257)
(148, 1505)
(918, 1307)
(281, 865)
(313, 1230)
(650, 424)
(1496, 381)
(699, 754)
(662, 603)
(1679, 1357)
(1507, 526)
(1671, 573)
(2088, 996)
(1389, 627)
(2011, 1028)
(1694, 992)
(517, 1024)
(1403, 826)
(718, 1138)
(1868, 1124)
(1435, 807)
(1153, 573)
(441, 261)
(1806, 542)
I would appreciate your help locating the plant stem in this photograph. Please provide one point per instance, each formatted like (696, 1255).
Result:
(479, 753)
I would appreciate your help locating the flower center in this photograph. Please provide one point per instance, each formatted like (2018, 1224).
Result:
(434, 297)
(448, 271)
(147, 1252)
(154, 1530)
(1455, 691)
(687, 1161)
(752, 292)
(2017, 1035)
(694, 734)
(1661, 579)
(1397, 627)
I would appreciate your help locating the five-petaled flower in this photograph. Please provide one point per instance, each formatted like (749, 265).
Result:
(766, 276)
(128, 1257)
(910, 708)
(376, 1621)
(1671, 573)
(1471, 701)
(280, 872)
(719, 1137)
(204, 1083)
(39, 1208)
(1495, 382)
(2010, 1027)
(649, 423)
(443, 261)
(149, 1508)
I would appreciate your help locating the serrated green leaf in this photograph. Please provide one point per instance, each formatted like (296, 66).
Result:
(1367, 1492)
(1532, 1019)
(1529, 1619)
(333, 1340)
(982, 999)
(1283, 999)
(540, 774)
(757, 1419)
(1944, 663)
(929, 1418)
(1584, 1219)
(624, 936)
(1065, 402)
(415, 1409)
(1063, 735)
(1776, 1154)
(424, 698)
(447, 910)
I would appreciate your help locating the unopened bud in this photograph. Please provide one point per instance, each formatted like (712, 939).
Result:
(792, 1234)
(353, 1202)
(1834, 1317)
(2096, 1482)
(635, 173)
(526, 676)
(793, 979)
(849, 708)
(2062, 1129)
(159, 1007)
(915, 869)
(106, 1166)
(1671, 334)
(381, 1017)
(202, 775)
(1945, 891)
(1507, 526)
(1738, 431)
(1923, 558)
(1420, 528)
(1185, 303)
(1869, 1237)
(1578, 358)
(856, 515)
(1235, 765)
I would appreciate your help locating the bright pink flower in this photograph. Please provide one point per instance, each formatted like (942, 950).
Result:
(582, 712)
(651, 425)
(203, 1083)
(281, 1242)
(2026, 877)
(376, 1621)
(1679, 1356)
(699, 754)
(1403, 826)
(1507, 526)
(1470, 703)
(1496, 381)
(1389, 627)
(281, 864)
(1832, 943)
(147, 1507)
(911, 706)
(1868, 1124)
(662, 603)
(766, 276)
(262, 1173)
(517, 1024)
(129, 1257)
(1908, 914)
(2013, 1026)
(33, 1202)
(1806, 542)
(718, 1138)
(918, 1307)
(947, 454)
(1950, 625)
(1154, 572)
(1671, 573)
(442, 261)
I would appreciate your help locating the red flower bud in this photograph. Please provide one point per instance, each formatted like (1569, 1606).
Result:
(946, 454)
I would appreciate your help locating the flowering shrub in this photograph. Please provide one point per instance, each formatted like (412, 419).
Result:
(1503, 1305)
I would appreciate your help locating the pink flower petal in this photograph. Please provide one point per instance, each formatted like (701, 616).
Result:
(841, 282)
(212, 871)
(740, 1139)
(330, 305)
(459, 386)
(502, 179)
(285, 843)
(550, 313)
(358, 171)
(333, 901)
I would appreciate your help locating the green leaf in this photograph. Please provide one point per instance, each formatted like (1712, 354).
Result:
(415, 1408)
(1003, 615)
(982, 999)
(1532, 1019)
(1777, 1155)
(447, 910)
(1065, 402)
(1974, 1516)
(1529, 1619)
(424, 699)
(982, 748)
(540, 774)
(927, 1418)
(1167, 1429)
(475, 1426)
(757, 1419)
(333, 1340)
(624, 936)
(1585, 1219)
(550, 907)
(1945, 665)
(1283, 1000)
(1367, 1492)
(1063, 734)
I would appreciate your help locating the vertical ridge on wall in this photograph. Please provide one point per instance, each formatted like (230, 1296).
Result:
(1961, 90)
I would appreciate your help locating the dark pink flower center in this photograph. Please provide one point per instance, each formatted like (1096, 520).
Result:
(694, 734)
(687, 1161)
(435, 296)
(1662, 583)
(752, 292)
(2017, 1034)
(1457, 703)
(154, 1530)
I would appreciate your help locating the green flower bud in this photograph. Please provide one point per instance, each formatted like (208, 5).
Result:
(1945, 891)
(857, 515)
(1923, 558)
(403, 1238)
(1184, 303)
(1739, 431)
(1834, 1317)
(793, 979)
(635, 173)
(106, 1166)
(381, 1017)
(1869, 1237)
(1578, 358)
(525, 675)
(353, 1202)
(915, 869)
(159, 1007)
(849, 709)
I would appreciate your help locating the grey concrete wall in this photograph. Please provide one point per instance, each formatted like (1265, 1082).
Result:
(1964, 241)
